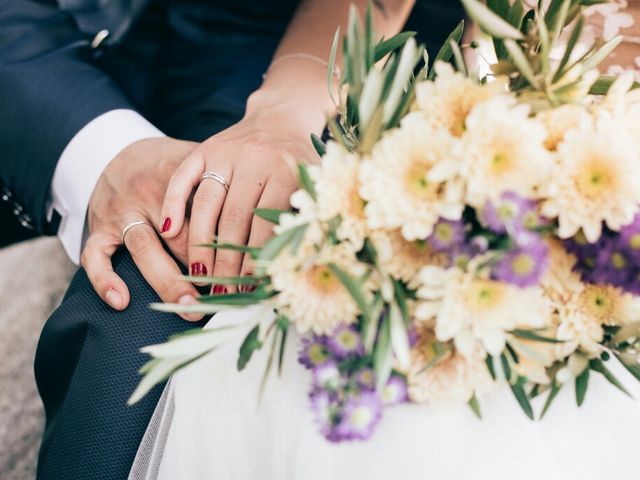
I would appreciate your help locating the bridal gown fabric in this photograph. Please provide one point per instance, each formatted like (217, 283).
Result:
(208, 425)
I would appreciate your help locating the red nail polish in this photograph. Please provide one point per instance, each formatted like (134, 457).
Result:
(166, 225)
(219, 290)
(198, 270)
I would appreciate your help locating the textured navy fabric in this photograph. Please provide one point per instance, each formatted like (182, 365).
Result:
(192, 85)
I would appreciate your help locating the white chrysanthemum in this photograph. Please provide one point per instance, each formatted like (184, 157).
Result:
(310, 294)
(451, 382)
(411, 179)
(596, 180)
(337, 185)
(504, 151)
(475, 312)
(447, 101)
(534, 356)
(403, 259)
(559, 121)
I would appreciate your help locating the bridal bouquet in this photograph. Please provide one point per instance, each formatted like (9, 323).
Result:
(461, 233)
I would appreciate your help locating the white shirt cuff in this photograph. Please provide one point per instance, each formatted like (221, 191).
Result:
(81, 164)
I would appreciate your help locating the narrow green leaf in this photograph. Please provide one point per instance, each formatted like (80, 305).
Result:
(488, 21)
(353, 288)
(445, 53)
(249, 345)
(599, 366)
(318, 145)
(275, 245)
(582, 382)
(249, 280)
(283, 344)
(531, 335)
(522, 398)
(458, 59)
(269, 214)
(633, 369)
(229, 246)
(306, 181)
(475, 407)
(553, 391)
(384, 47)
(571, 43)
(383, 355)
(237, 299)
(332, 65)
(603, 84)
(601, 54)
(520, 61)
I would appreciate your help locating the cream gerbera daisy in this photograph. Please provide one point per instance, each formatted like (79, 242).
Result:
(309, 292)
(410, 180)
(597, 179)
(403, 259)
(447, 101)
(337, 184)
(451, 382)
(475, 312)
(558, 121)
(504, 151)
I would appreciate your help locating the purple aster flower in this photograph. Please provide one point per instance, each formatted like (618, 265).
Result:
(365, 378)
(359, 417)
(522, 266)
(447, 235)
(613, 265)
(630, 239)
(324, 407)
(510, 211)
(345, 342)
(395, 391)
(313, 351)
(327, 376)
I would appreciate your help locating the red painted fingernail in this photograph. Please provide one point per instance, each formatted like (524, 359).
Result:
(198, 270)
(166, 225)
(219, 289)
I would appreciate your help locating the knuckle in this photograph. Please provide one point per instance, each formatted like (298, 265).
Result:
(139, 240)
(232, 216)
(142, 183)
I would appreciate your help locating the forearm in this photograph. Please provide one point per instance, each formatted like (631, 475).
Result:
(300, 84)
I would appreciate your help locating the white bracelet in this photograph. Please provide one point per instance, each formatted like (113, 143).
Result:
(301, 56)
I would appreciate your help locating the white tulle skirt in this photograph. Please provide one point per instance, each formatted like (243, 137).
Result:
(208, 425)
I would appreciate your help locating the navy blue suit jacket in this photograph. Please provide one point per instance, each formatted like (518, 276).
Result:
(52, 82)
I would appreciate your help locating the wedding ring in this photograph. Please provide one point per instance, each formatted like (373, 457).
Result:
(129, 226)
(217, 177)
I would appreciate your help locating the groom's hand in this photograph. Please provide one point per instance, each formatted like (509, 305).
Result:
(131, 189)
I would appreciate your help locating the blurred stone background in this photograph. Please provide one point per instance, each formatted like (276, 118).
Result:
(33, 278)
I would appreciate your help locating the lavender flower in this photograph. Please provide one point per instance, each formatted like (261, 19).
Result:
(630, 239)
(327, 376)
(395, 391)
(324, 408)
(510, 212)
(522, 266)
(313, 351)
(365, 378)
(359, 417)
(447, 235)
(613, 264)
(345, 342)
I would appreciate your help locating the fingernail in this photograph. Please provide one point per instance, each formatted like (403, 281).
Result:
(250, 288)
(187, 300)
(198, 270)
(166, 225)
(114, 299)
(219, 290)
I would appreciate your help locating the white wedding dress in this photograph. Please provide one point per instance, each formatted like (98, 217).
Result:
(208, 425)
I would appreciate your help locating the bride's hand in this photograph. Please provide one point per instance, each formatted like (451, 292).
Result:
(256, 158)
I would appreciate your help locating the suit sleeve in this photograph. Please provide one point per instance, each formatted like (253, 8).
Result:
(49, 89)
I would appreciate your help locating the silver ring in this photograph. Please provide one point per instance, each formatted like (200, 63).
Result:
(129, 226)
(217, 177)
